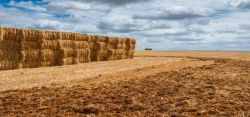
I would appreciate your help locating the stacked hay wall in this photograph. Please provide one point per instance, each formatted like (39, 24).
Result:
(26, 48)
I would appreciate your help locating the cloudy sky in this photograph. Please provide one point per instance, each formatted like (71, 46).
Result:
(158, 24)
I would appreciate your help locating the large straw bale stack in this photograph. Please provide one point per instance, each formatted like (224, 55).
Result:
(26, 48)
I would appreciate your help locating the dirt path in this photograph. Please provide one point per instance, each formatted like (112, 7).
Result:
(218, 89)
(38, 77)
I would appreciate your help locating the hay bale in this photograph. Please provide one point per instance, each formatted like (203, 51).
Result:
(148, 49)
(52, 35)
(67, 36)
(9, 45)
(81, 37)
(50, 44)
(30, 55)
(99, 38)
(48, 54)
(7, 64)
(111, 40)
(101, 46)
(27, 45)
(12, 34)
(92, 38)
(91, 45)
(63, 53)
(47, 63)
(66, 44)
(81, 45)
(30, 64)
(83, 55)
(33, 35)
(12, 55)
(67, 61)
(120, 46)
(111, 46)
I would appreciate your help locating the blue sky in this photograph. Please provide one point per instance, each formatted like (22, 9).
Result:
(157, 24)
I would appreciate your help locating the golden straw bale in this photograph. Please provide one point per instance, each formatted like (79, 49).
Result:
(12, 34)
(111, 40)
(66, 53)
(33, 35)
(30, 64)
(119, 40)
(30, 55)
(120, 46)
(46, 63)
(92, 38)
(67, 61)
(26, 45)
(111, 46)
(133, 41)
(102, 53)
(49, 44)
(131, 46)
(119, 52)
(7, 64)
(9, 45)
(66, 44)
(99, 38)
(83, 55)
(48, 54)
(91, 45)
(9, 55)
(81, 37)
(81, 45)
(52, 35)
(111, 52)
(101, 46)
(128, 40)
(67, 36)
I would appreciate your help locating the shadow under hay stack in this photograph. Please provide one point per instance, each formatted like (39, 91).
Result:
(28, 48)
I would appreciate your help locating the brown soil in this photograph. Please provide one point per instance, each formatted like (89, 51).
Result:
(212, 87)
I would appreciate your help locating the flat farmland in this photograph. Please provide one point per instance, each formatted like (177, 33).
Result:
(154, 83)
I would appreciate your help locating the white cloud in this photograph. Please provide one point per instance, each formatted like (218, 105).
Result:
(159, 24)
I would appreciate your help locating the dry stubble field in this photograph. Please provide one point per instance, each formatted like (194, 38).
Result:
(154, 83)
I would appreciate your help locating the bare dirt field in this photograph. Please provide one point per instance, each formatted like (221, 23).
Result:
(154, 83)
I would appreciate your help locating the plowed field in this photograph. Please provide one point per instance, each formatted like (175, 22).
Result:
(149, 85)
